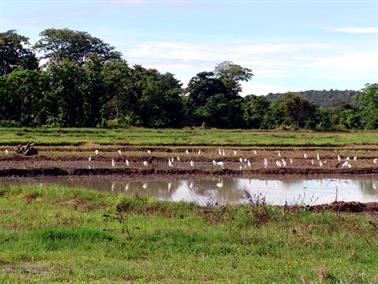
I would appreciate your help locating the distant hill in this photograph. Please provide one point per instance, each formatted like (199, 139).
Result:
(322, 98)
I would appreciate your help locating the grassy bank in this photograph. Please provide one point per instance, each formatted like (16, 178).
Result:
(143, 136)
(51, 233)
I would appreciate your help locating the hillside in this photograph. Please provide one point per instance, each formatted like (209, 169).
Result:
(322, 98)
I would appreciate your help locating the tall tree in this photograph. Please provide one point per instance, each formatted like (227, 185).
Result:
(232, 75)
(76, 46)
(15, 54)
(254, 109)
(367, 106)
(66, 96)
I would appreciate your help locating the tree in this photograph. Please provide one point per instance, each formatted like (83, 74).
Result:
(232, 75)
(22, 99)
(66, 95)
(94, 92)
(76, 46)
(15, 54)
(254, 109)
(293, 110)
(160, 104)
(367, 106)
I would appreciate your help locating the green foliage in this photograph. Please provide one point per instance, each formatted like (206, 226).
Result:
(14, 53)
(88, 84)
(65, 44)
(367, 106)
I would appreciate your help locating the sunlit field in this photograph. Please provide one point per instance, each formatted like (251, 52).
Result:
(53, 233)
(144, 136)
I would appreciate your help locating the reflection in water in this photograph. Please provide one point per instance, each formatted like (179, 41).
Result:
(226, 190)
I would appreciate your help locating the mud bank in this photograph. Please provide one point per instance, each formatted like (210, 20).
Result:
(35, 172)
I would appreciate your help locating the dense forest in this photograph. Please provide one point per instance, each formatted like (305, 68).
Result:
(72, 79)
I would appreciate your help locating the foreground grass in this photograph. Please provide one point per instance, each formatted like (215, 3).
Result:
(52, 233)
(143, 136)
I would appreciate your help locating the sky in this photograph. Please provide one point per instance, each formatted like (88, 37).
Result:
(290, 45)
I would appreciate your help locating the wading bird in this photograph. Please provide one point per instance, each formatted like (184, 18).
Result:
(96, 152)
(113, 163)
(375, 161)
(265, 162)
(149, 152)
(199, 152)
(120, 152)
(90, 158)
(170, 164)
(187, 151)
(127, 162)
(220, 164)
(235, 152)
(305, 156)
(6, 151)
(191, 163)
(145, 163)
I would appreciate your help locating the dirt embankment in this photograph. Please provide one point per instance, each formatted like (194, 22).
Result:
(60, 161)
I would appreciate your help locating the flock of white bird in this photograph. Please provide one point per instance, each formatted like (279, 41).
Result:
(245, 163)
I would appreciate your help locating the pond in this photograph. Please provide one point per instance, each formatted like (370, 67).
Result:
(225, 190)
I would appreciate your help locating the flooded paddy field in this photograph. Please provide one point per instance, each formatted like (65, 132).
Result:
(223, 190)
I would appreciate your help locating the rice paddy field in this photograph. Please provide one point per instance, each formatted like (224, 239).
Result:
(67, 232)
(217, 137)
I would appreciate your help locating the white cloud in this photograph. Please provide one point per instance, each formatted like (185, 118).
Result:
(278, 67)
(354, 30)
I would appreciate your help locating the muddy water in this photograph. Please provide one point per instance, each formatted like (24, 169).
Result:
(225, 190)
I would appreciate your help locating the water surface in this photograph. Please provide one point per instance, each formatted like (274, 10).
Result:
(225, 190)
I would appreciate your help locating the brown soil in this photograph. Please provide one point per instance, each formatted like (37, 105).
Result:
(73, 160)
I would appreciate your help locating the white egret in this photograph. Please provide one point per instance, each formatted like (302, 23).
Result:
(339, 158)
(170, 164)
(96, 152)
(255, 152)
(355, 158)
(305, 156)
(220, 164)
(265, 162)
(283, 163)
(235, 152)
(6, 151)
(120, 152)
(149, 152)
(279, 153)
(317, 156)
(219, 184)
(199, 152)
(113, 163)
(90, 158)
(187, 151)
(127, 162)
(241, 160)
(249, 164)
(375, 161)
(145, 163)
(214, 163)
(312, 162)
(169, 186)
(191, 163)
(291, 161)
(145, 185)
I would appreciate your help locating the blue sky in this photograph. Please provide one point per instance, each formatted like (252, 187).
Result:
(289, 45)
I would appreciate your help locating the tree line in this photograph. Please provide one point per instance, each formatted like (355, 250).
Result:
(78, 80)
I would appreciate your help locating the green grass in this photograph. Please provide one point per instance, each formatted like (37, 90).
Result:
(143, 136)
(56, 234)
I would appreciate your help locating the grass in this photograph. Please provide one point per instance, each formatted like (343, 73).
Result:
(55, 234)
(172, 137)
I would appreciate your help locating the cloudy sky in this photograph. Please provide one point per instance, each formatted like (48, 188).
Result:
(289, 45)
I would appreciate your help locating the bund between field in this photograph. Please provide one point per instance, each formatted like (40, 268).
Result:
(221, 161)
